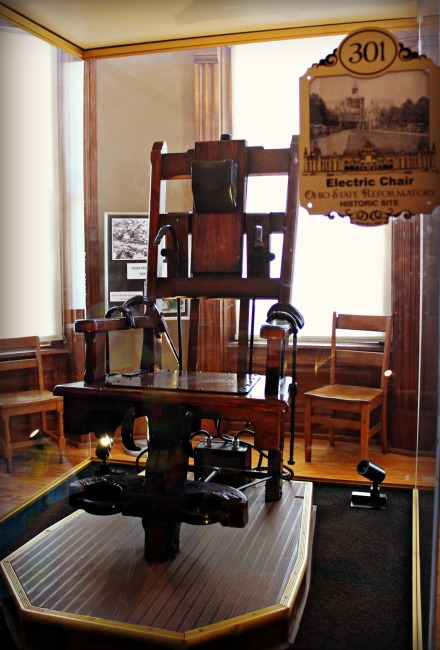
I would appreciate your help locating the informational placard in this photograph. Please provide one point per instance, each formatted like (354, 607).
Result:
(370, 131)
(126, 246)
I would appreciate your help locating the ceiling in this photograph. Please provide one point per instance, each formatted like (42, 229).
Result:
(90, 25)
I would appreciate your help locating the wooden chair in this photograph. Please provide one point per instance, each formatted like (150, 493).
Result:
(20, 355)
(351, 406)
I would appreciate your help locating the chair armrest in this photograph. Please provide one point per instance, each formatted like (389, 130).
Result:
(277, 329)
(283, 320)
(277, 335)
(98, 325)
(96, 331)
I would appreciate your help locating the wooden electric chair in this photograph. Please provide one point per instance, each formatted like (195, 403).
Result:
(216, 252)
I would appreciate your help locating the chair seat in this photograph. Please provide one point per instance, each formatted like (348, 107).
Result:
(28, 399)
(346, 393)
(227, 383)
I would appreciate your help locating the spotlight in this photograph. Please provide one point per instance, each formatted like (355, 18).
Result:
(103, 448)
(373, 498)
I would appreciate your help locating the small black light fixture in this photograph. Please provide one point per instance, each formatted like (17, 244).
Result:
(103, 448)
(374, 498)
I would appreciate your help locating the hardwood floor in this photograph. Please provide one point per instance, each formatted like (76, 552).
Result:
(37, 468)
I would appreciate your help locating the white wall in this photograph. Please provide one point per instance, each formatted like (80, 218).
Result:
(140, 100)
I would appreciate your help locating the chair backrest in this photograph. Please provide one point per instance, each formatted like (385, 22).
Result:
(20, 354)
(218, 250)
(346, 354)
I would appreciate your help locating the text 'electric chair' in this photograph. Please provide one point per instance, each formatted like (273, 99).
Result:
(218, 252)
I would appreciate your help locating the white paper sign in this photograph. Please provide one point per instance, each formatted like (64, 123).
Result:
(121, 296)
(136, 271)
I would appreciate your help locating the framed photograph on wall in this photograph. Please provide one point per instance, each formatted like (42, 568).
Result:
(126, 250)
(169, 307)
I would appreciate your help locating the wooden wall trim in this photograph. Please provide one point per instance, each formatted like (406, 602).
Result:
(75, 369)
(208, 40)
(93, 299)
(241, 38)
(212, 93)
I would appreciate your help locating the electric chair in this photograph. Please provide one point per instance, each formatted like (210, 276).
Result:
(217, 251)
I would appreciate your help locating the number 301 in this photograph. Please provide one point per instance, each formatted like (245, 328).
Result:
(369, 52)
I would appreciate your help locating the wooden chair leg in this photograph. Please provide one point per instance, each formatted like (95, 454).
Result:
(308, 429)
(6, 443)
(274, 487)
(365, 431)
(60, 430)
(384, 430)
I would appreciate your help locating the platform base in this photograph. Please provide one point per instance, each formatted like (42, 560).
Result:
(369, 500)
(83, 583)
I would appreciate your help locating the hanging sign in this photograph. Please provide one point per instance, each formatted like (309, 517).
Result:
(370, 131)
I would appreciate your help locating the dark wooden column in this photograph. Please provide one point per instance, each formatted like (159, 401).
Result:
(405, 349)
(212, 97)
(415, 281)
(429, 361)
(415, 286)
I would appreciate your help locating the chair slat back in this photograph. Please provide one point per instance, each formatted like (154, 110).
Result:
(205, 249)
(345, 353)
(360, 358)
(22, 353)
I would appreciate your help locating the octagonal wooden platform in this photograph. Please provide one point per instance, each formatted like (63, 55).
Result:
(83, 583)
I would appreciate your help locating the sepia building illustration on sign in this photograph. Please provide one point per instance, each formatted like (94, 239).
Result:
(370, 131)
